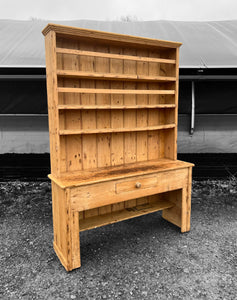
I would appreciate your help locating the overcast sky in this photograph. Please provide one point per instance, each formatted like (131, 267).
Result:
(186, 10)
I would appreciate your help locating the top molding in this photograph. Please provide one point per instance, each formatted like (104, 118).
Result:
(108, 36)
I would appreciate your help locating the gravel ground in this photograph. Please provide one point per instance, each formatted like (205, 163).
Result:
(142, 258)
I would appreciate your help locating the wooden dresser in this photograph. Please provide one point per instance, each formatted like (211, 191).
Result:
(112, 106)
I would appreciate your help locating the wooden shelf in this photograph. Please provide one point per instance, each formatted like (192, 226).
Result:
(114, 130)
(86, 107)
(127, 213)
(111, 76)
(115, 91)
(116, 56)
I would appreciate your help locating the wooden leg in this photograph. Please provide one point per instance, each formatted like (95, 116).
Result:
(179, 215)
(187, 202)
(66, 229)
(173, 214)
(186, 211)
(76, 257)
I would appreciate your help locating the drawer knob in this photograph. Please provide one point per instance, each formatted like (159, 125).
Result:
(138, 185)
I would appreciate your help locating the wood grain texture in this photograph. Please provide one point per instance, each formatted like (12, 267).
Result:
(121, 215)
(74, 32)
(72, 120)
(87, 177)
(52, 96)
(113, 103)
(114, 91)
(124, 129)
(142, 58)
(112, 76)
(104, 193)
(66, 228)
(117, 117)
(112, 107)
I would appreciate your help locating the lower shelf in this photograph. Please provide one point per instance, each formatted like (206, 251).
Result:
(128, 213)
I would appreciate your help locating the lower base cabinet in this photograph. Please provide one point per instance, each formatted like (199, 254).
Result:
(87, 203)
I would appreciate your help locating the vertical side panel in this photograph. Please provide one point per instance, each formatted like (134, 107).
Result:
(117, 139)
(142, 117)
(130, 117)
(89, 146)
(89, 121)
(62, 118)
(153, 114)
(72, 117)
(52, 95)
(171, 137)
(177, 103)
(103, 116)
(103, 120)
(142, 121)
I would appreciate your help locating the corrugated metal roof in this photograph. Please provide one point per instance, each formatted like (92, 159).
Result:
(205, 44)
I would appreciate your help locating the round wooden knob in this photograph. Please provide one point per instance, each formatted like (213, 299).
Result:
(138, 185)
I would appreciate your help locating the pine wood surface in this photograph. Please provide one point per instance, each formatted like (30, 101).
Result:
(115, 56)
(95, 35)
(87, 197)
(113, 106)
(137, 106)
(116, 172)
(121, 215)
(112, 76)
(114, 91)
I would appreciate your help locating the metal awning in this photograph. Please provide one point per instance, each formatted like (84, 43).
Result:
(205, 44)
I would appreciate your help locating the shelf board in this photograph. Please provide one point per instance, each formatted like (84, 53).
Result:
(115, 91)
(127, 213)
(148, 106)
(114, 130)
(115, 56)
(113, 76)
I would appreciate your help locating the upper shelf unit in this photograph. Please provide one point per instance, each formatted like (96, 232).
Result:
(112, 99)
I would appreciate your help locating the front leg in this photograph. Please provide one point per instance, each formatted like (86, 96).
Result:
(66, 229)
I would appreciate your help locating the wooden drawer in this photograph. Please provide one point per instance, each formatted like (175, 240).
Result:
(133, 185)
(109, 192)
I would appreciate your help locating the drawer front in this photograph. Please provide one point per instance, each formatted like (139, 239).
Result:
(110, 192)
(132, 185)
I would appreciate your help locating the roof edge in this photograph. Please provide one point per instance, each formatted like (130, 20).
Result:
(180, 66)
(209, 67)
